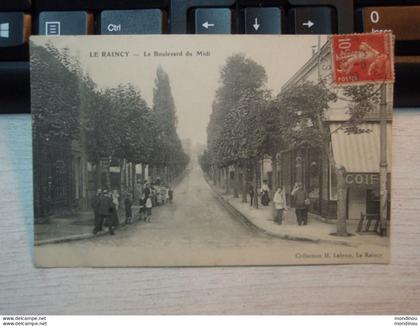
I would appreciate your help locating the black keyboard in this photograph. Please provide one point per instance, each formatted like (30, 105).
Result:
(21, 18)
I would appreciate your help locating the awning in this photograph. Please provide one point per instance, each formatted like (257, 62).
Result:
(359, 153)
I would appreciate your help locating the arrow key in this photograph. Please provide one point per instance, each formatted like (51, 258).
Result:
(212, 21)
(313, 20)
(263, 20)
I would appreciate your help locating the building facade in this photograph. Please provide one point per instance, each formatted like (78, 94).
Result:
(358, 154)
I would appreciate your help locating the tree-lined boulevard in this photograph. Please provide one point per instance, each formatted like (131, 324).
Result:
(195, 228)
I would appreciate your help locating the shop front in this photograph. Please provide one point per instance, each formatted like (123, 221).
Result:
(360, 157)
(358, 154)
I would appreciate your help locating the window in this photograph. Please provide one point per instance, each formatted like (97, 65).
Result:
(4, 30)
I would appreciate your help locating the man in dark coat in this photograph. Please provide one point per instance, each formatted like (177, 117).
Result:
(105, 209)
(251, 193)
(113, 218)
(146, 191)
(95, 206)
(301, 203)
(127, 205)
(170, 195)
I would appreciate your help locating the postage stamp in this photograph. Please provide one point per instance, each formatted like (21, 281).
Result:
(362, 58)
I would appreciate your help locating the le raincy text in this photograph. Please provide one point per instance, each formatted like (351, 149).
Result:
(155, 53)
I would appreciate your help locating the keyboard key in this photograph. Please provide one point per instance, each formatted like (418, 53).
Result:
(15, 4)
(14, 87)
(55, 5)
(404, 22)
(15, 28)
(181, 9)
(213, 21)
(263, 20)
(312, 20)
(65, 23)
(148, 21)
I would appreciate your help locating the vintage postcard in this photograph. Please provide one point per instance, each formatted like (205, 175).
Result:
(212, 150)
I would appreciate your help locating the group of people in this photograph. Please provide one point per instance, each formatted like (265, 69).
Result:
(299, 195)
(264, 193)
(106, 206)
(153, 195)
(301, 203)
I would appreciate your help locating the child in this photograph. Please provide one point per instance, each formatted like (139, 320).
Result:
(149, 206)
(280, 205)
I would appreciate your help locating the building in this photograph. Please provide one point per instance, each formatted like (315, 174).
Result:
(60, 178)
(357, 154)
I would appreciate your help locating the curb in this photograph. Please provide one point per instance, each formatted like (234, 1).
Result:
(78, 237)
(245, 219)
(85, 236)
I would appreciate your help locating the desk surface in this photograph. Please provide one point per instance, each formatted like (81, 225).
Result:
(348, 289)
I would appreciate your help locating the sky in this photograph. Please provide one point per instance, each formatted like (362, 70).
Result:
(194, 79)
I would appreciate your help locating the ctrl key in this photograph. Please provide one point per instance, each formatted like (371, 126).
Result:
(142, 21)
(15, 28)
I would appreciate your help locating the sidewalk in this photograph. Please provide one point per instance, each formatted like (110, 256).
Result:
(80, 225)
(72, 228)
(315, 231)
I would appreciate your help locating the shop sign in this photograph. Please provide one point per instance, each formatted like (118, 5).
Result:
(362, 180)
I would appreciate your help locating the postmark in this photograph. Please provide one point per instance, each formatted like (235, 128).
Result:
(362, 58)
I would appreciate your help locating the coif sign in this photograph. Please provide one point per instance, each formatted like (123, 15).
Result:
(364, 180)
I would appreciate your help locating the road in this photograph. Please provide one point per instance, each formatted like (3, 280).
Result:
(195, 229)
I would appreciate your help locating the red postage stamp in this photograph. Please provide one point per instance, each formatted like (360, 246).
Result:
(362, 58)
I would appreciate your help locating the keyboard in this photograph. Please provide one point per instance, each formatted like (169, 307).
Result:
(21, 18)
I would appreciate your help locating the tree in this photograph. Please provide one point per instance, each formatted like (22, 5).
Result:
(119, 126)
(55, 108)
(168, 155)
(235, 131)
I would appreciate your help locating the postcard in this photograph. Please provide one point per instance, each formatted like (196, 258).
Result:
(212, 150)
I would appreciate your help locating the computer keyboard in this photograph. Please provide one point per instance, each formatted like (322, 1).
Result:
(21, 18)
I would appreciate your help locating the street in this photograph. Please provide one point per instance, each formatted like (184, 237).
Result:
(196, 229)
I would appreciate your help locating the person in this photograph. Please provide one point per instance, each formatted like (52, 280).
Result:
(148, 206)
(170, 195)
(116, 198)
(112, 219)
(146, 190)
(265, 198)
(158, 191)
(164, 194)
(152, 195)
(104, 210)
(95, 205)
(301, 203)
(251, 193)
(280, 205)
(128, 213)
(142, 209)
